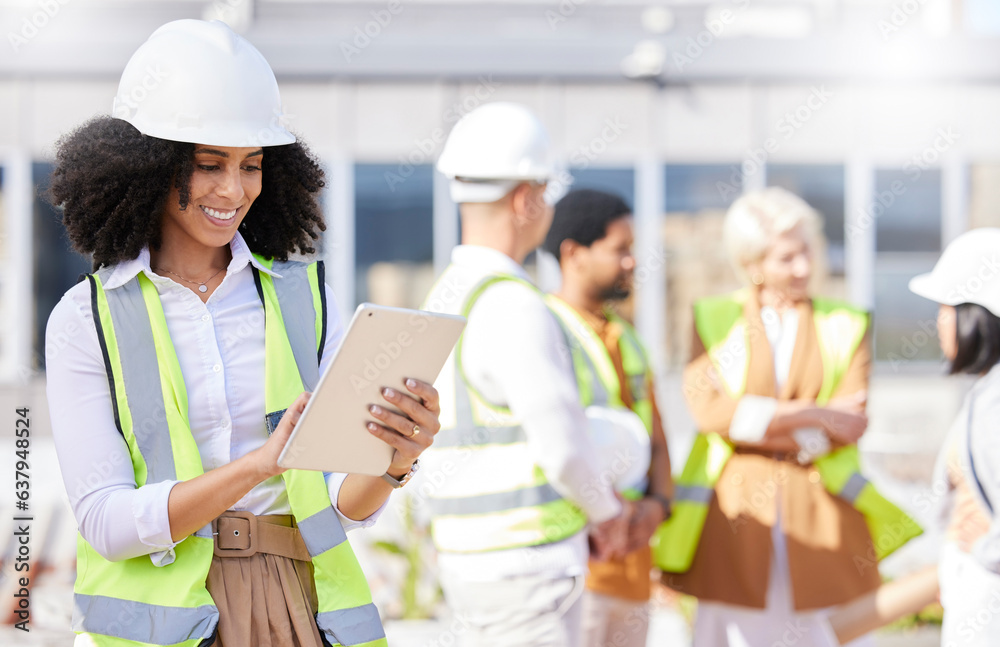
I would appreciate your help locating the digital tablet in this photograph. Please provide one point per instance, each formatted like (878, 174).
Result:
(381, 348)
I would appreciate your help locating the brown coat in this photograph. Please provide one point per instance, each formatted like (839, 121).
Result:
(829, 547)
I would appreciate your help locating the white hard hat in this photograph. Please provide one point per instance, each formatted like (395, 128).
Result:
(202, 83)
(492, 149)
(622, 443)
(967, 272)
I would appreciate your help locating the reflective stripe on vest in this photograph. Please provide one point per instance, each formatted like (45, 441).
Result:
(515, 506)
(346, 614)
(840, 329)
(635, 361)
(600, 368)
(132, 601)
(634, 357)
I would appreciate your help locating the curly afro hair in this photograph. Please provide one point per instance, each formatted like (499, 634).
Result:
(112, 183)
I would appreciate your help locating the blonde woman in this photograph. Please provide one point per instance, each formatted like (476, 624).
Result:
(778, 380)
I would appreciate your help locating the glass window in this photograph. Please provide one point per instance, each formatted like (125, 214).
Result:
(57, 266)
(697, 266)
(620, 181)
(905, 324)
(394, 240)
(906, 208)
(695, 187)
(982, 17)
(822, 186)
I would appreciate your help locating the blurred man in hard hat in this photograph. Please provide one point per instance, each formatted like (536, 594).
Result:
(516, 480)
(591, 237)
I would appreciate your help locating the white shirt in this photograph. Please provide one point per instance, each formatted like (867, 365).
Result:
(754, 413)
(220, 348)
(513, 352)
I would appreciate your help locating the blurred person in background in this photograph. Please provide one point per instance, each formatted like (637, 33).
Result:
(592, 237)
(966, 284)
(773, 524)
(516, 480)
(196, 342)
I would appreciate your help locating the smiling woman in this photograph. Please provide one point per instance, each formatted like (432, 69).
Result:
(190, 201)
(223, 186)
(778, 384)
(160, 177)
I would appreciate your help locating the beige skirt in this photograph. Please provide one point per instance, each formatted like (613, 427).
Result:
(264, 600)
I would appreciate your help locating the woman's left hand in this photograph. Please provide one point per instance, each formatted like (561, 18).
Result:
(411, 433)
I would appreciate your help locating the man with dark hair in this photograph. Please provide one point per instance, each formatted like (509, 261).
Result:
(591, 236)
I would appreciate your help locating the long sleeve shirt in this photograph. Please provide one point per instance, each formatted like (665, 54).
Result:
(220, 348)
(514, 353)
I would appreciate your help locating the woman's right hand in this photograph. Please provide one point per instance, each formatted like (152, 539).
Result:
(267, 455)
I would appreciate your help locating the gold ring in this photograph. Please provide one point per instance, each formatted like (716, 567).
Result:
(416, 430)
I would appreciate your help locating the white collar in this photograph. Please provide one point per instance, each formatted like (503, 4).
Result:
(488, 260)
(127, 270)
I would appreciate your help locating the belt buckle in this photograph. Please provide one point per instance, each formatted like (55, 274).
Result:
(234, 534)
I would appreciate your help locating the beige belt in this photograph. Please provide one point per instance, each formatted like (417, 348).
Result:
(242, 534)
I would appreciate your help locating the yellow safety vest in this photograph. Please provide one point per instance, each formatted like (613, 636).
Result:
(601, 368)
(494, 497)
(840, 329)
(132, 602)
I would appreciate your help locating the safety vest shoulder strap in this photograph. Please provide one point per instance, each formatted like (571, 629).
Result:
(840, 328)
(294, 325)
(467, 306)
(150, 408)
(588, 347)
(715, 316)
(303, 307)
(635, 356)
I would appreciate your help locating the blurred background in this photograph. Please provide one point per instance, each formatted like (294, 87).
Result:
(878, 112)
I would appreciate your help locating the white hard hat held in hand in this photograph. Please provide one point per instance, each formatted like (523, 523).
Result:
(492, 149)
(201, 82)
(967, 272)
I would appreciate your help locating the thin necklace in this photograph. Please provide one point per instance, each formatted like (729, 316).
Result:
(201, 284)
